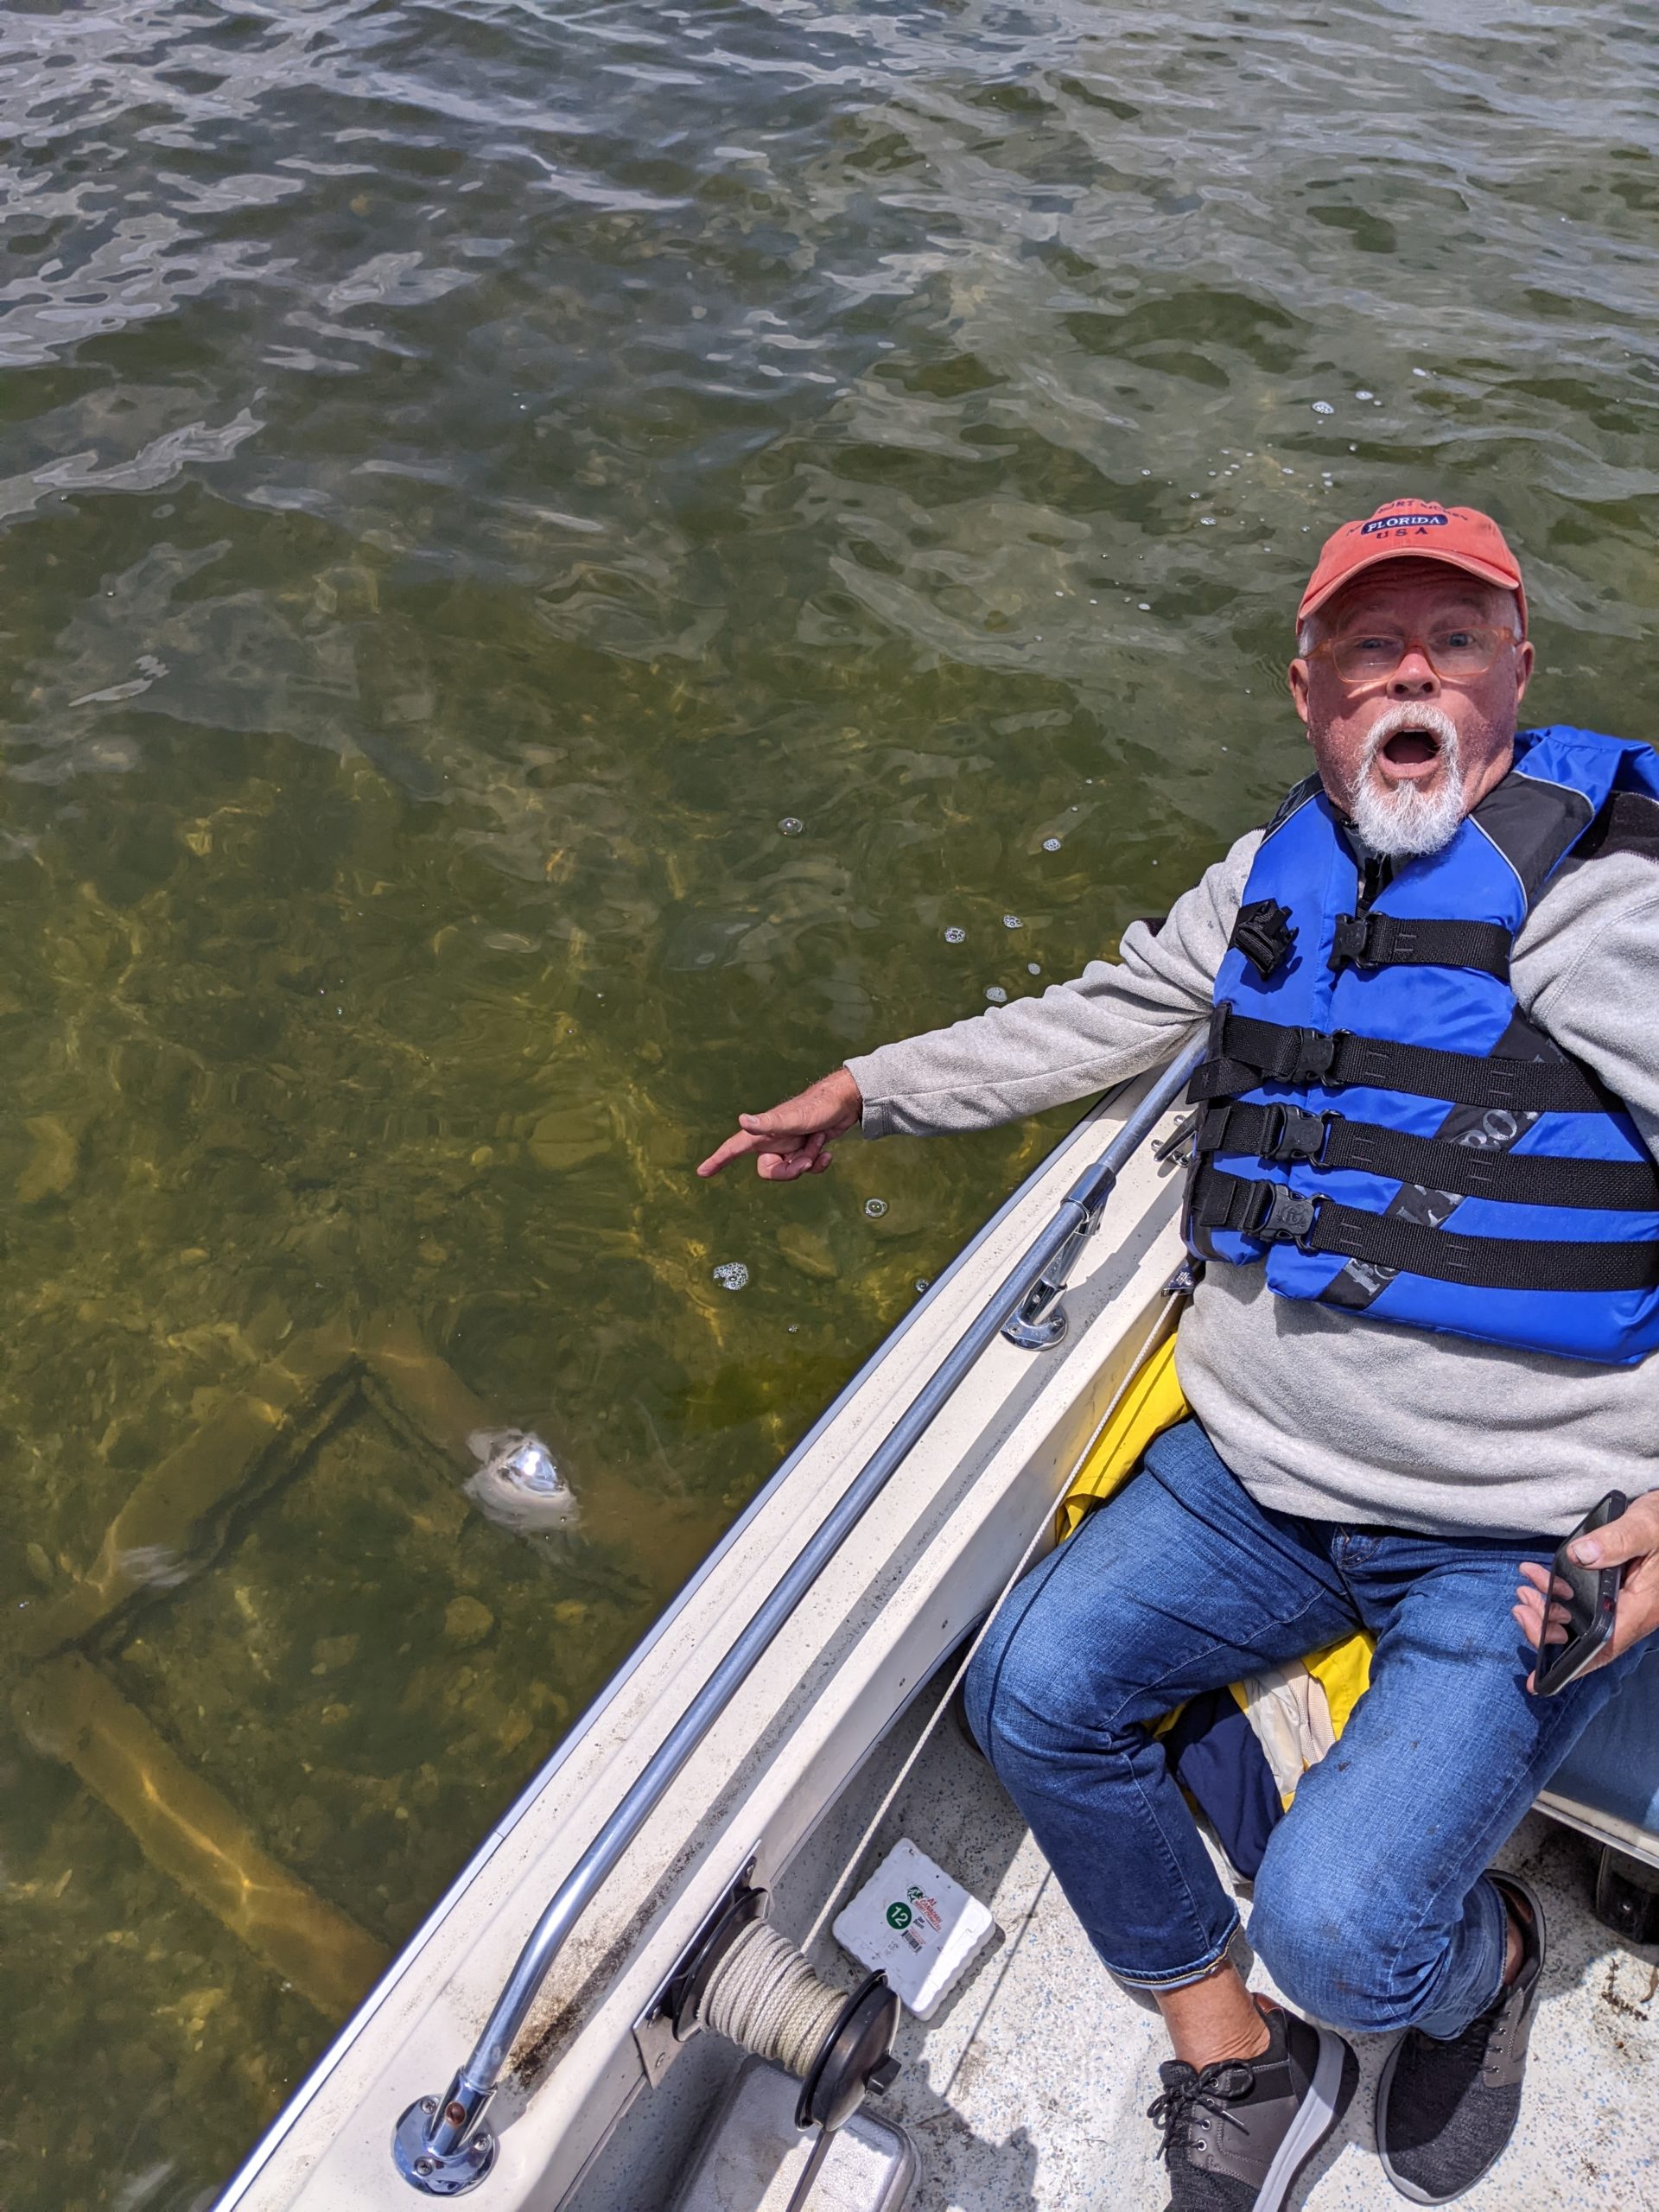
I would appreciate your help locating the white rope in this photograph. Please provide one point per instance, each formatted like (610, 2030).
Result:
(765, 1996)
(952, 1686)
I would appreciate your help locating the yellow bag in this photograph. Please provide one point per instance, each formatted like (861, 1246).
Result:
(1151, 1401)
(1344, 1672)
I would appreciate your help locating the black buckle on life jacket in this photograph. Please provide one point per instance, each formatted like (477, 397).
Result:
(1350, 943)
(1263, 934)
(1281, 1215)
(1315, 1051)
(1293, 1133)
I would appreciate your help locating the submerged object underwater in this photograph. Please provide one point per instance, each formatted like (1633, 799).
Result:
(519, 1484)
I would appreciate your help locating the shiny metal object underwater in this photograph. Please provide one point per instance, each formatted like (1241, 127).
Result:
(519, 1484)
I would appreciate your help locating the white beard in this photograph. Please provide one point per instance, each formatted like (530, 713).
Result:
(1405, 821)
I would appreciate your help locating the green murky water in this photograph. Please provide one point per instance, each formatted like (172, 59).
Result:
(471, 473)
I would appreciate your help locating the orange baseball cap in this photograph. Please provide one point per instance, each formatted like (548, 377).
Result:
(1420, 529)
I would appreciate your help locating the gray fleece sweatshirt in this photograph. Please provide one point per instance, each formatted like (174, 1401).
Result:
(1318, 1412)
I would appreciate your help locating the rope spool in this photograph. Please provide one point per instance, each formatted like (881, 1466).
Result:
(764, 1996)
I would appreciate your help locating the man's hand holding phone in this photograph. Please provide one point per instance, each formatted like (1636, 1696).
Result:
(1630, 1541)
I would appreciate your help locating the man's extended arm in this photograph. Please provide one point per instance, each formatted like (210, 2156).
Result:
(1116, 1019)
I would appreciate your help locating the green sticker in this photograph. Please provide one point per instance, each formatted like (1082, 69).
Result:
(899, 1916)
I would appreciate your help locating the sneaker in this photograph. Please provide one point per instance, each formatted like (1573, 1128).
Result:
(1445, 2110)
(1238, 2134)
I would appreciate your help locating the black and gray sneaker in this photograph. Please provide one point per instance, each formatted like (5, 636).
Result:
(1238, 2134)
(1445, 2110)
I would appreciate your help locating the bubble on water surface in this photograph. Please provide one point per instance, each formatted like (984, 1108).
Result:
(875, 1208)
(791, 825)
(1364, 395)
(1011, 922)
(921, 1284)
(1033, 968)
(731, 1274)
(996, 995)
(1323, 407)
(954, 936)
(1050, 845)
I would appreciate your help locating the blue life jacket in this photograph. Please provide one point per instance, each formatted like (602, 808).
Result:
(1382, 1126)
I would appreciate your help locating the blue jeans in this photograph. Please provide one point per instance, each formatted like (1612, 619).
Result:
(1370, 1908)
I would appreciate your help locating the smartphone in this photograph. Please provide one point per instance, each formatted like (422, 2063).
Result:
(1589, 1595)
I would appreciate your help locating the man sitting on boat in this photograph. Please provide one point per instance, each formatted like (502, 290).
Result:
(1424, 1202)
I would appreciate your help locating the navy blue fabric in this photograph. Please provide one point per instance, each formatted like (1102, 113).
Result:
(1614, 1766)
(1561, 779)
(1219, 1762)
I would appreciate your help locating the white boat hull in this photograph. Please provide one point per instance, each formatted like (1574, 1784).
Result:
(930, 1556)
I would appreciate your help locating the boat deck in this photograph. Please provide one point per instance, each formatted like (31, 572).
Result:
(1027, 2092)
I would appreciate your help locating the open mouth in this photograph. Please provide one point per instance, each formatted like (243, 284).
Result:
(1410, 756)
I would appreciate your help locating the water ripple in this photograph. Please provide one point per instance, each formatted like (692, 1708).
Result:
(476, 470)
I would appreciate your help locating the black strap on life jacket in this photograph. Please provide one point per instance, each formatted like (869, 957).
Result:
(1393, 941)
(1627, 822)
(1273, 1213)
(1244, 1053)
(1283, 1134)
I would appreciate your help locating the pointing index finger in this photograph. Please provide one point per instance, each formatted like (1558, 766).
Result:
(736, 1147)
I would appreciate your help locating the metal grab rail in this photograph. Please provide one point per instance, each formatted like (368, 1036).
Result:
(442, 2145)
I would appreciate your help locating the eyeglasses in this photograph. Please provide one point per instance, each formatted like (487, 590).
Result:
(1457, 651)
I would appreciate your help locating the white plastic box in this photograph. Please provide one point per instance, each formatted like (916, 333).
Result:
(915, 1925)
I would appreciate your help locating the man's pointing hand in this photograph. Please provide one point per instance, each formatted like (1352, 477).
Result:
(794, 1138)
